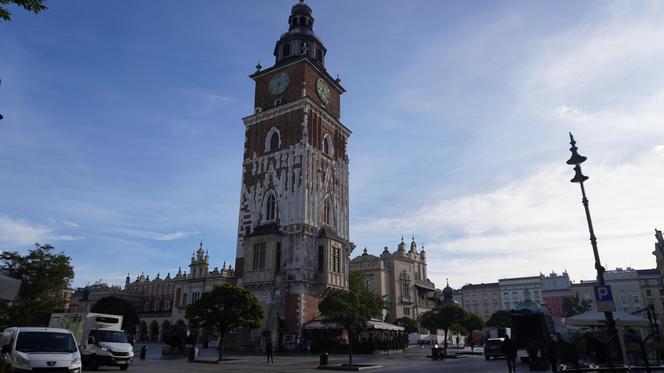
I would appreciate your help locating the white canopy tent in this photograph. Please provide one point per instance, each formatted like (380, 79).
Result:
(9, 287)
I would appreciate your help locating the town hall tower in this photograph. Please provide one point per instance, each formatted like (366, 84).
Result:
(293, 244)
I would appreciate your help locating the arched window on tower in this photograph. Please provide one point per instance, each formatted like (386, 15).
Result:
(270, 208)
(328, 149)
(319, 55)
(272, 140)
(285, 50)
(327, 211)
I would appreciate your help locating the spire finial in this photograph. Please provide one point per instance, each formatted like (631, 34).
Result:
(447, 281)
(258, 66)
(413, 236)
(402, 238)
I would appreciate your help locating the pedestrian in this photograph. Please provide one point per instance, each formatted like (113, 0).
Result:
(268, 350)
(508, 349)
(553, 351)
(457, 341)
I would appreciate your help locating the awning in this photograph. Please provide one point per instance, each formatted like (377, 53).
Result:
(371, 325)
(9, 287)
(425, 286)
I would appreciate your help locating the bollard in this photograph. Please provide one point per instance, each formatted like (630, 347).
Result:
(323, 358)
(144, 352)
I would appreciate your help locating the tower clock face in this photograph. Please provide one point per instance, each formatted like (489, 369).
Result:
(323, 91)
(279, 83)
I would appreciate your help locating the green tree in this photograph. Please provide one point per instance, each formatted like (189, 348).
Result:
(31, 5)
(574, 305)
(409, 325)
(44, 276)
(500, 319)
(352, 308)
(226, 308)
(118, 306)
(445, 317)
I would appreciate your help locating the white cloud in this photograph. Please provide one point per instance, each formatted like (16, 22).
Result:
(569, 113)
(172, 236)
(21, 232)
(538, 224)
(70, 224)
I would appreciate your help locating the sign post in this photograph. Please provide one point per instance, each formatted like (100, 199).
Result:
(604, 298)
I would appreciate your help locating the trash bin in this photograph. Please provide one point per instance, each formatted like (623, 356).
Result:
(144, 352)
(192, 353)
(434, 353)
(323, 358)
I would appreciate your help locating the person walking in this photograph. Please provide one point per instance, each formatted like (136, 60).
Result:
(508, 349)
(268, 350)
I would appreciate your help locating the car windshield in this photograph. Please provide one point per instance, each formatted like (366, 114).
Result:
(45, 342)
(112, 336)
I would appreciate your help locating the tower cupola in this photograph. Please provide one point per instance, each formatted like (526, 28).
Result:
(300, 40)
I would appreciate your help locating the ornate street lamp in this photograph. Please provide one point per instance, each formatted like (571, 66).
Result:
(576, 159)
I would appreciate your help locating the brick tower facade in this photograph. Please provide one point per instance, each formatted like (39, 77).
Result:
(293, 226)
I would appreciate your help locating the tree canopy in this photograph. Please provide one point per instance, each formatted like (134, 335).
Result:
(445, 317)
(226, 308)
(118, 306)
(574, 305)
(500, 319)
(35, 6)
(44, 276)
(409, 325)
(352, 309)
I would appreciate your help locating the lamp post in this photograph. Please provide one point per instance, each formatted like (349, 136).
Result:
(576, 159)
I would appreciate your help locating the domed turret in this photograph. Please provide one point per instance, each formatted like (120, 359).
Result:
(300, 39)
(402, 246)
(413, 246)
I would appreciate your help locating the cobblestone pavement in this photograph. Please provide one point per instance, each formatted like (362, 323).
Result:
(414, 360)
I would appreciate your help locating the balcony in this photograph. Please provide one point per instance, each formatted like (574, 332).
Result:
(426, 303)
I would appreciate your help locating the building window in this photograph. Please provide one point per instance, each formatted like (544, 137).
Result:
(274, 141)
(514, 295)
(273, 138)
(623, 299)
(636, 299)
(328, 149)
(327, 211)
(319, 54)
(321, 258)
(336, 260)
(661, 291)
(406, 311)
(184, 298)
(405, 289)
(648, 292)
(285, 50)
(270, 208)
(277, 261)
(260, 255)
(195, 295)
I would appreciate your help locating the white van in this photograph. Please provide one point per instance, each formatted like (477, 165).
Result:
(100, 338)
(25, 349)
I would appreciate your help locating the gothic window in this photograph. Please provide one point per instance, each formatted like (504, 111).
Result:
(327, 211)
(327, 146)
(270, 208)
(260, 256)
(273, 139)
(405, 289)
(319, 54)
(321, 258)
(336, 260)
(277, 261)
(285, 50)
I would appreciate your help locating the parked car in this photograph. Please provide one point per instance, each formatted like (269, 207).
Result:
(27, 349)
(493, 348)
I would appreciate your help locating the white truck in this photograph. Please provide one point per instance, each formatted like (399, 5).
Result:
(100, 338)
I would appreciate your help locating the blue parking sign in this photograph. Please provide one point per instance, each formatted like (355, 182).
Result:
(603, 293)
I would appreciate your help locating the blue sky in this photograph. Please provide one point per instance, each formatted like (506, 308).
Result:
(122, 137)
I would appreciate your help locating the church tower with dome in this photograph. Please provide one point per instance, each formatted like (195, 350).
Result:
(293, 239)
